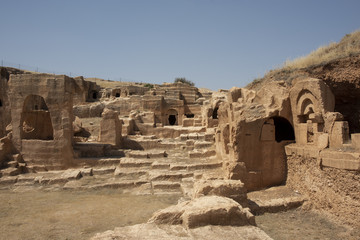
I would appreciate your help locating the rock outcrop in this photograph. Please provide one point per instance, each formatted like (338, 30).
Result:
(207, 210)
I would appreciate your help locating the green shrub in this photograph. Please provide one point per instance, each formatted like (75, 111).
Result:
(184, 80)
(148, 85)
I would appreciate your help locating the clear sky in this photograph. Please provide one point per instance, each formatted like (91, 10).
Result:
(215, 44)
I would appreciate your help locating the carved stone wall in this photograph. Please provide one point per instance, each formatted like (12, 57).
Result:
(41, 111)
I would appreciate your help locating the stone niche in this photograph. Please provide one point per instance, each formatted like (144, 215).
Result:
(42, 118)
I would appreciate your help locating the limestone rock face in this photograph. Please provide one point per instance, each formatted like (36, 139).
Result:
(233, 189)
(207, 210)
(177, 232)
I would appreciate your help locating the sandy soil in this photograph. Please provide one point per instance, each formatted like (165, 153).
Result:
(58, 214)
(36, 214)
(303, 225)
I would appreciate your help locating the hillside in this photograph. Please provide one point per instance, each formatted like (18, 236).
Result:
(338, 64)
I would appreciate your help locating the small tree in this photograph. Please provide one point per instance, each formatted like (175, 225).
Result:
(184, 80)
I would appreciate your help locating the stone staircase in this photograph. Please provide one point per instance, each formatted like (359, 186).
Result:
(13, 167)
(155, 170)
(160, 166)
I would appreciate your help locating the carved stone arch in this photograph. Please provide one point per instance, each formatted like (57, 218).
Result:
(311, 101)
(36, 119)
(310, 96)
(307, 104)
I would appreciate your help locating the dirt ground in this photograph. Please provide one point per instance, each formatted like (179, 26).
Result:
(303, 225)
(30, 213)
(39, 214)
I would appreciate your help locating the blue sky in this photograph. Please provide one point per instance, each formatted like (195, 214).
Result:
(215, 44)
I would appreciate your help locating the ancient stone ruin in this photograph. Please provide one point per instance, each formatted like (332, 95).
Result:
(210, 147)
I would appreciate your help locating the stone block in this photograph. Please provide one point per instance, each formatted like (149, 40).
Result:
(301, 133)
(322, 140)
(339, 134)
(340, 160)
(233, 189)
(355, 140)
(188, 122)
(346, 164)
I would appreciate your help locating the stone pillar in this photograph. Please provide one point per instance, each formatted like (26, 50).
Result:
(110, 128)
(339, 134)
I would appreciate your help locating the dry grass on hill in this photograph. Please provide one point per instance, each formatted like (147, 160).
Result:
(348, 46)
(297, 68)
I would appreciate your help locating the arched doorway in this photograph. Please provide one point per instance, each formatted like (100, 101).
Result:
(35, 119)
(276, 133)
(93, 95)
(215, 113)
(283, 129)
(172, 117)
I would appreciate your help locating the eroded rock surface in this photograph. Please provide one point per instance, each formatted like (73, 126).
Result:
(207, 210)
(178, 232)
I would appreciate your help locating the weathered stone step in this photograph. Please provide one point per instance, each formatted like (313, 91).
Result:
(12, 164)
(103, 170)
(26, 178)
(147, 154)
(169, 176)
(172, 145)
(118, 184)
(86, 172)
(209, 137)
(203, 144)
(114, 185)
(8, 180)
(149, 144)
(10, 171)
(102, 161)
(202, 153)
(132, 162)
(165, 185)
(91, 149)
(200, 166)
(192, 136)
(95, 149)
(177, 167)
(37, 168)
(160, 165)
(129, 172)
